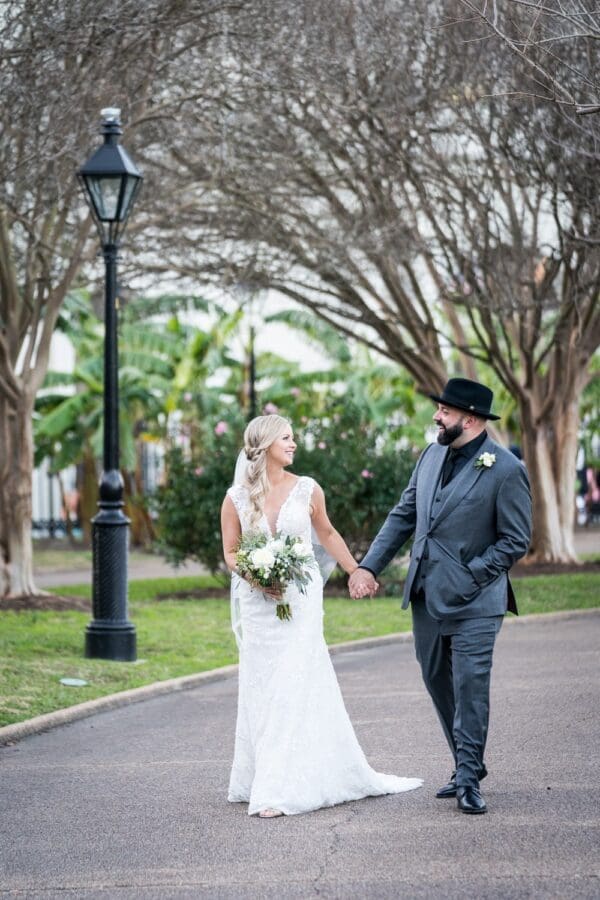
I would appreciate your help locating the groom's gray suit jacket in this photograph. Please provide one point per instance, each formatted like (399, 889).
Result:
(466, 541)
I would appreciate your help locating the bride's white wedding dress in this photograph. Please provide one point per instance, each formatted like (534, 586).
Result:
(295, 748)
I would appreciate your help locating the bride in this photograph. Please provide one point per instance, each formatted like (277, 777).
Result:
(295, 749)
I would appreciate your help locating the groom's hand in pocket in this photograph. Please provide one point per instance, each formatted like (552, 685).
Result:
(362, 584)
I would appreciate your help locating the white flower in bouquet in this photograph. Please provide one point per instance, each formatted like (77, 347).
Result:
(262, 558)
(276, 545)
(301, 550)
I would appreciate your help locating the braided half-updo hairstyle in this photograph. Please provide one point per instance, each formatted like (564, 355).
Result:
(260, 433)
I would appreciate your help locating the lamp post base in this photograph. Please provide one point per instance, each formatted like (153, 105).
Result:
(116, 642)
(110, 634)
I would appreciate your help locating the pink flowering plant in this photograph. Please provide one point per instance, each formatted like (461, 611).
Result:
(275, 562)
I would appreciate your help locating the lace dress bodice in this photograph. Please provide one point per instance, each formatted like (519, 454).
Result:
(295, 748)
(293, 517)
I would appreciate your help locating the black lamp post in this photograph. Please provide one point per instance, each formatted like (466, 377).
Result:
(247, 294)
(251, 375)
(110, 181)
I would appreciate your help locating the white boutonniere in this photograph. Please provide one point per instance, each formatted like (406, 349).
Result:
(485, 461)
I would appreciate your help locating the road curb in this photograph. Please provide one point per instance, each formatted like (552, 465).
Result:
(10, 734)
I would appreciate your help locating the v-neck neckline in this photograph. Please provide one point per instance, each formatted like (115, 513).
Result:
(271, 532)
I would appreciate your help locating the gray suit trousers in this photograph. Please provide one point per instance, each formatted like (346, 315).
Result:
(455, 656)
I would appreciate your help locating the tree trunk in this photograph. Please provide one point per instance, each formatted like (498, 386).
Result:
(67, 511)
(4, 498)
(16, 446)
(88, 493)
(550, 451)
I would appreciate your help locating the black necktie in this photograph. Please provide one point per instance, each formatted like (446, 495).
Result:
(448, 469)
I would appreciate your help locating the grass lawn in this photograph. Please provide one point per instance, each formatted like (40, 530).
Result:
(178, 637)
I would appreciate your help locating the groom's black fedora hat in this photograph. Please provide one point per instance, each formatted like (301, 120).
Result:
(471, 396)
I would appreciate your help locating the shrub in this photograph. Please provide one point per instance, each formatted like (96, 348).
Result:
(189, 503)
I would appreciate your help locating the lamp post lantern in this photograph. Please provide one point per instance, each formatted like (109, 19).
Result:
(110, 181)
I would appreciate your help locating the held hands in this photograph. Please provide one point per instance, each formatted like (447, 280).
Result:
(362, 584)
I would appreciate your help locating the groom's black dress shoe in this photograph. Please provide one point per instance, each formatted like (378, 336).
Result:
(449, 790)
(470, 800)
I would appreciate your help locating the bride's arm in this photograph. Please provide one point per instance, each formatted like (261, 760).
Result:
(328, 536)
(230, 531)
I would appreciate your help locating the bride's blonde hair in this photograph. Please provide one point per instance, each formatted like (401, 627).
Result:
(260, 433)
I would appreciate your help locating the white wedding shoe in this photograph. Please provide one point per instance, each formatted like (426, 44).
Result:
(269, 814)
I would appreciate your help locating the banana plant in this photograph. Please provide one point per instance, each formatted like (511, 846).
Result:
(382, 391)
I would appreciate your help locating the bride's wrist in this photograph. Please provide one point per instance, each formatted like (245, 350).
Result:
(353, 569)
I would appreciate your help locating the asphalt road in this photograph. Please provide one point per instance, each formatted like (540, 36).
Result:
(131, 803)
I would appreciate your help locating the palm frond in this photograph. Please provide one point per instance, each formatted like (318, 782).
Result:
(66, 416)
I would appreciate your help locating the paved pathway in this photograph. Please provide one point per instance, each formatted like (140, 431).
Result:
(151, 567)
(131, 803)
(587, 540)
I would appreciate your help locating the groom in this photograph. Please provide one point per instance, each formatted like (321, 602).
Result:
(469, 507)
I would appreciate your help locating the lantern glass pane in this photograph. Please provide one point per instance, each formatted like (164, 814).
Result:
(130, 185)
(105, 193)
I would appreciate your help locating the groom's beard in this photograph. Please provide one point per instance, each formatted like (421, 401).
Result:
(449, 434)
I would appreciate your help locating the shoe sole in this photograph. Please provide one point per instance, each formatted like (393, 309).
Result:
(472, 812)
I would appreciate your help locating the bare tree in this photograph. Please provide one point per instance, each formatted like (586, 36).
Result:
(555, 39)
(351, 160)
(519, 235)
(60, 63)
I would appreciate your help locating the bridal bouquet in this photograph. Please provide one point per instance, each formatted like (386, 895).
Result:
(275, 562)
